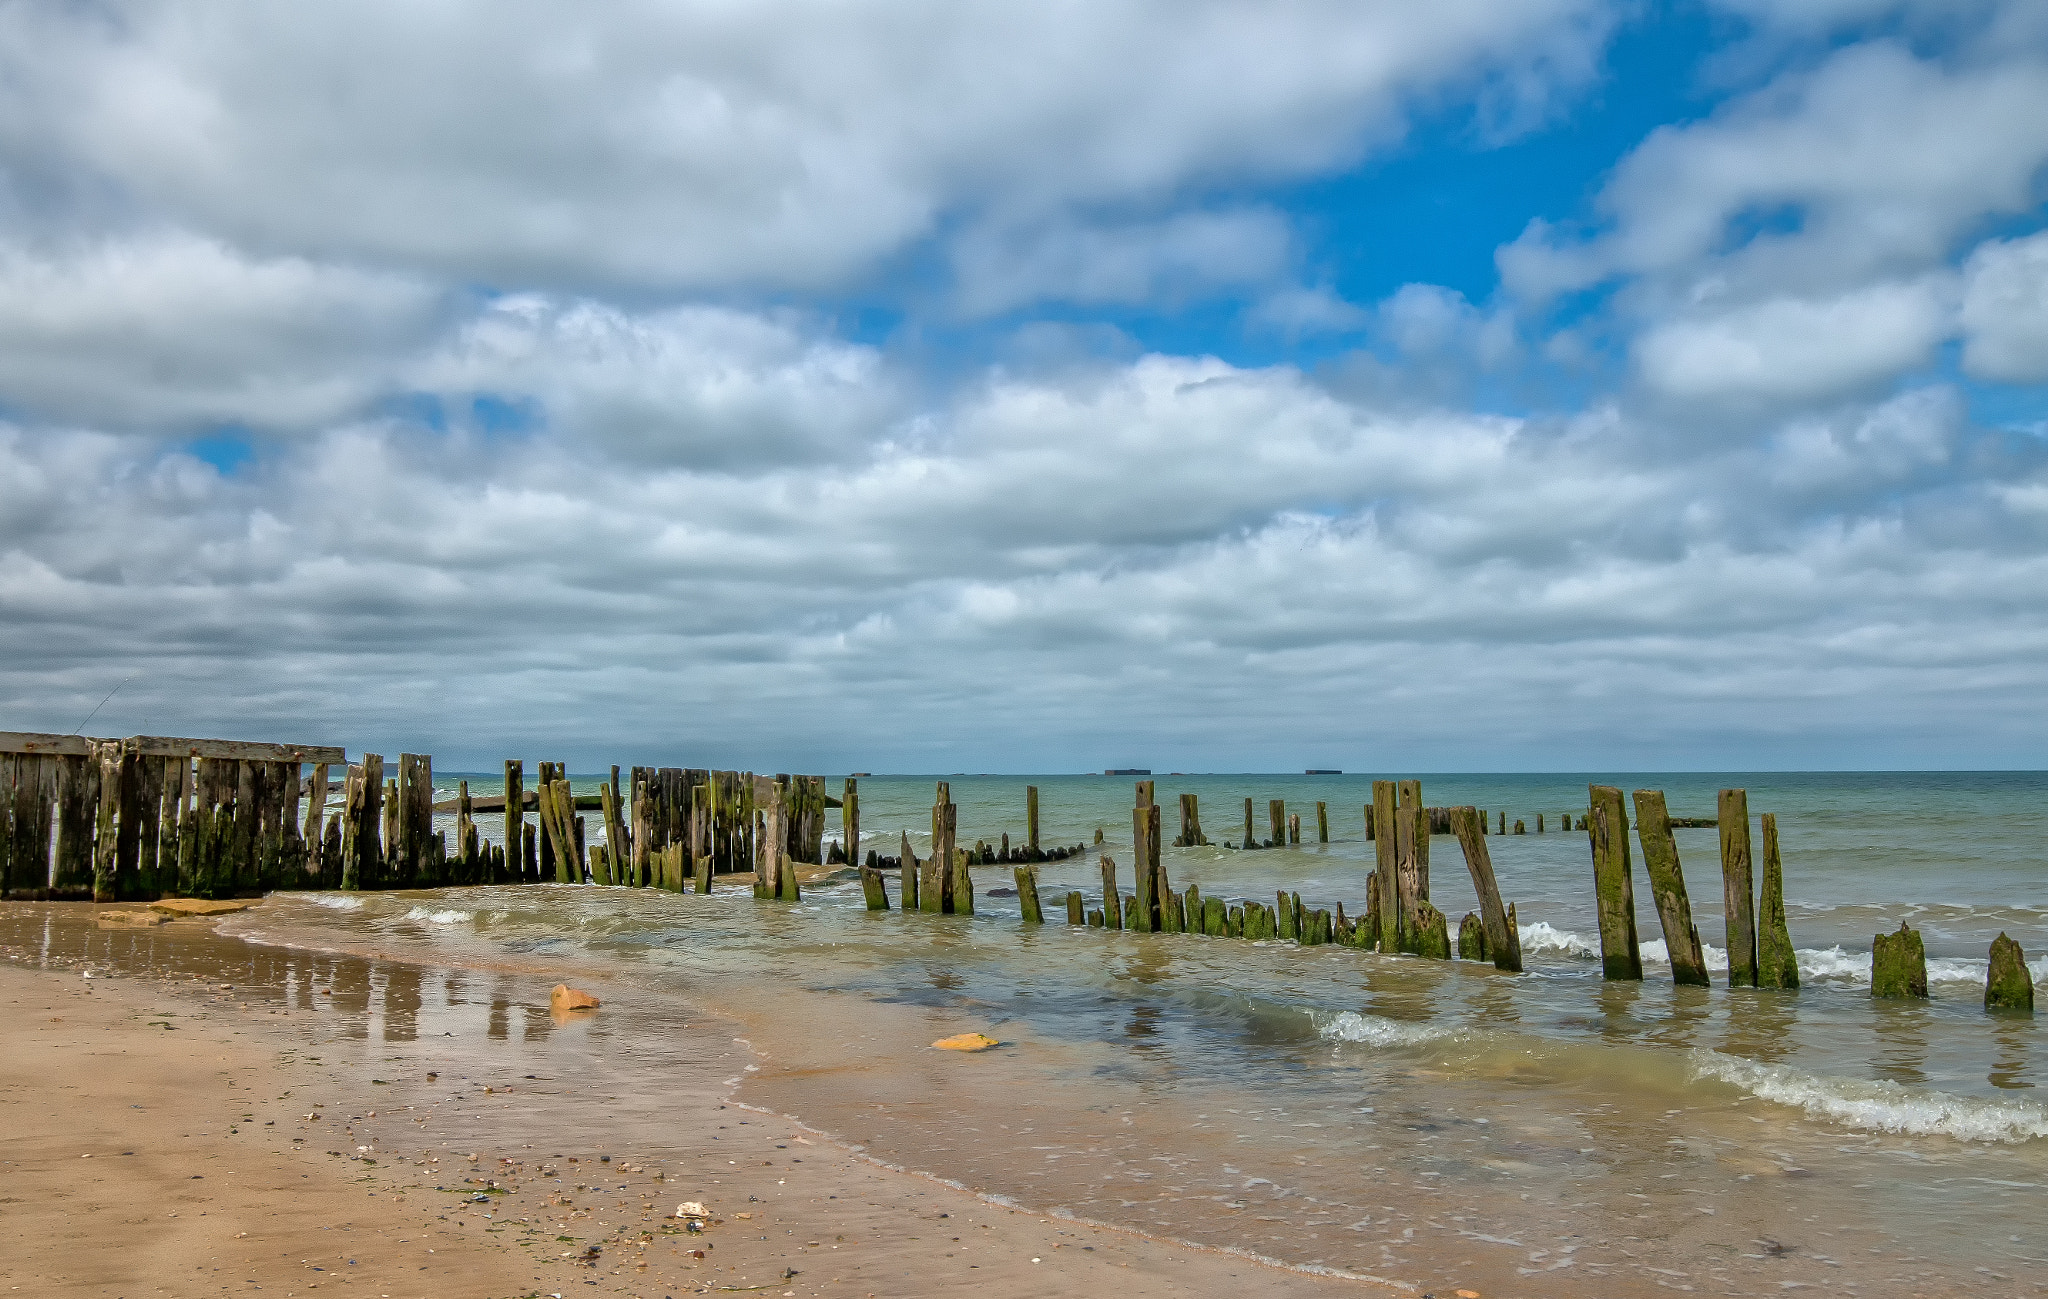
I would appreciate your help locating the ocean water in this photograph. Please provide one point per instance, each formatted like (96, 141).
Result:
(1548, 1133)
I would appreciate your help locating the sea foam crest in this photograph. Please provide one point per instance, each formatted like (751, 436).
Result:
(337, 901)
(1878, 1106)
(434, 917)
(1540, 937)
(1372, 1030)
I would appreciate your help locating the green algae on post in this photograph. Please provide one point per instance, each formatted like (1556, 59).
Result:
(1777, 961)
(1898, 964)
(1732, 816)
(1615, 893)
(2008, 984)
(1027, 895)
(1502, 942)
(1667, 887)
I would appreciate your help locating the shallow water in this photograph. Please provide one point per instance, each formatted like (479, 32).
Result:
(1388, 1116)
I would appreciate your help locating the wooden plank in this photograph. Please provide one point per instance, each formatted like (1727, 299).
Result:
(1503, 945)
(242, 750)
(1732, 810)
(77, 746)
(1614, 889)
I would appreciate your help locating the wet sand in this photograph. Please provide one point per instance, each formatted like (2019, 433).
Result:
(204, 1116)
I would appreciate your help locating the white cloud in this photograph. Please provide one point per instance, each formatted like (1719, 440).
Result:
(1186, 256)
(170, 331)
(781, 144)
(1799, 349)
(2005, 310)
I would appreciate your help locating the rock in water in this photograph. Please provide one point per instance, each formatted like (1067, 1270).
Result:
(966, 1042)
(2009, 985)
(1898, 964)
(565, 997)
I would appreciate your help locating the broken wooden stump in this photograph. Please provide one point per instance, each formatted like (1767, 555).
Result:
(2008, 983)
(1614, 890)
(1737, 887)
(1898, 964)
(1667, 887)
(1777, 962)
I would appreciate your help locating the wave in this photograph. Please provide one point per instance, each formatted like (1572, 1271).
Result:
(1372, 1030)
(1823, 963)
(336, 901)
(434, 917)
(1878, 1106)
(1541, 938)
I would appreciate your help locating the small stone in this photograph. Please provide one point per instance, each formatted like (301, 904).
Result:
(692, 1209)
(118, 919)
(565, 997)
(966, 1042)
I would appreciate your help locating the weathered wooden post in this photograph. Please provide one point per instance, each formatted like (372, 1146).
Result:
(1471, 938)
(515, 815)
(1283, 925)
(849, 818)
(910, 873)
(1898, 964)
(963, 883)
(1737, 886)
(1276, 817)
(1027, 895)
(1294, 827)
(351, 832)
(1777, 962)
(106, 846)
(1503, 945)
(1031, 821)
(1386, 854)
(1248, 842)
(1667, 887)
(935, 888)
(1190, 823)
(316, 803)
(1614, 889)
(871, 888)
(1144, 915)
(1112, 911)
(465, 834)
(616, 842)
(2008, 983)
(1539, 823)
(1322, 822)
(1076, 909)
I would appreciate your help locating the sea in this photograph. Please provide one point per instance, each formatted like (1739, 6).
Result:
(1335, 1110)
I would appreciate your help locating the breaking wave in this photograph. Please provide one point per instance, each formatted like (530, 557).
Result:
(1878, 1106)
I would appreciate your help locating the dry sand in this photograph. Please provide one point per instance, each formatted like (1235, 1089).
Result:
(169, 1132)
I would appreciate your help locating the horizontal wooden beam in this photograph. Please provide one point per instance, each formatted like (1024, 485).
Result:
(169, 746)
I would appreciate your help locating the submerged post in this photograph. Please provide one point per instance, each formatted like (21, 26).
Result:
(849, 819)
(1027, 895)
(1112, 911)
(515, 812)
(1384, 853)
(1731, 813)
(911, 874)
(1276, 817)
(1249, 842)
(1614, 891)
(1667, 886)
(1322, 822)
(871, 888)
(1777, 963)
(1031, 820)
(2008, 984)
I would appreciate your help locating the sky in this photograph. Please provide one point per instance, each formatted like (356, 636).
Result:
(918, 386)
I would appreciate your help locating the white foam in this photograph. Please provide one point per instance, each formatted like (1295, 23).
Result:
(1879, 1106)
(1372, 1030)
(1540, 937)
(338, 901)
(433, 917)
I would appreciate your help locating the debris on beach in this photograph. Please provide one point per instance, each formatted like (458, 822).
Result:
(116, 919)
(565, 997)
(966, 1042)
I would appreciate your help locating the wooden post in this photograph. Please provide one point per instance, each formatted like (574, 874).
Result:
(465, 829)
(1027, 895)
(1031, 820)
(1112, 911)
(935, 889)
(615, 834)
(1191, 910)
(1248, 842)
(1284, 922)
(871, 888)
(1075, 909)
(908, 892)
(1276, 818)
(1732, 815)
(1502, 943)
(849, 819)
(106, 849)
(1386, 855)
(1539, 823)
(568, 860)
(1322, 822)
(1667, 886)
(1409, 894)
(1777, 963)
(1613, 886)
(1144, 914)
(963, 883)
(1471, 938)
(1411, 800)
(2008, 984)
(316, 803)
(1294, 828)
(1898, 964)
(515, 813)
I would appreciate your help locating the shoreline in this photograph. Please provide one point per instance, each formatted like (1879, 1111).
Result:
(286, 1028)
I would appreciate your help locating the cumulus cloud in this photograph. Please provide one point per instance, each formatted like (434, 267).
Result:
(786, 144)
(2005, 310)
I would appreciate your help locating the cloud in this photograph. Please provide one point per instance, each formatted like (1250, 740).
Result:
(1799, 349)
(170, 331)
(781, 145)
(2005, 310)
(1168, 262)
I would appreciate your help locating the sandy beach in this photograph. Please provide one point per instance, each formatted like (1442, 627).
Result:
(177, 1128)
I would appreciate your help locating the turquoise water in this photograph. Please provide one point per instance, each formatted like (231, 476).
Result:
(1337, 1109)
